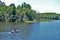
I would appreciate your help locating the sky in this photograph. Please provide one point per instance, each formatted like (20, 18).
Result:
(38, 5)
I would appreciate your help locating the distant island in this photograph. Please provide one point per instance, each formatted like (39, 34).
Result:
(24, 13)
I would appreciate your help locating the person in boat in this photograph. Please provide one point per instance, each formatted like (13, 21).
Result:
(14, 31)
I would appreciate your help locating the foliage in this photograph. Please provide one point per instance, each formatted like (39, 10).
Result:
(17, 14)
(49, 16)
(23, 13)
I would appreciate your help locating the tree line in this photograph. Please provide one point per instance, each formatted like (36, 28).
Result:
(20, 13)
(50, 16)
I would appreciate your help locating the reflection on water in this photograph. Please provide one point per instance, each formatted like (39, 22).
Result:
(26, 31)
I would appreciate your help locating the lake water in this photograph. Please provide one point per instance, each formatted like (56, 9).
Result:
(27, 31)
(50, 30)
(34, 31)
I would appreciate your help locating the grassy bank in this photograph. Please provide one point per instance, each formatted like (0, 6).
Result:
(45, 20)
(29, 22)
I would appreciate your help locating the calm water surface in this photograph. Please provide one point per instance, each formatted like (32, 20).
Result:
(50, 30)
(35, 31)
(27, 31)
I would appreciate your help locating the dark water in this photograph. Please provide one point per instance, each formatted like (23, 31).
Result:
(50, 30)
(27, 31)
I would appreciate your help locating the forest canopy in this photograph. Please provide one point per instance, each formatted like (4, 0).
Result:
(24, 12)
(20, 13)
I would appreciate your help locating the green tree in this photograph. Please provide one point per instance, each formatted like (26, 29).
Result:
(13, 19)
